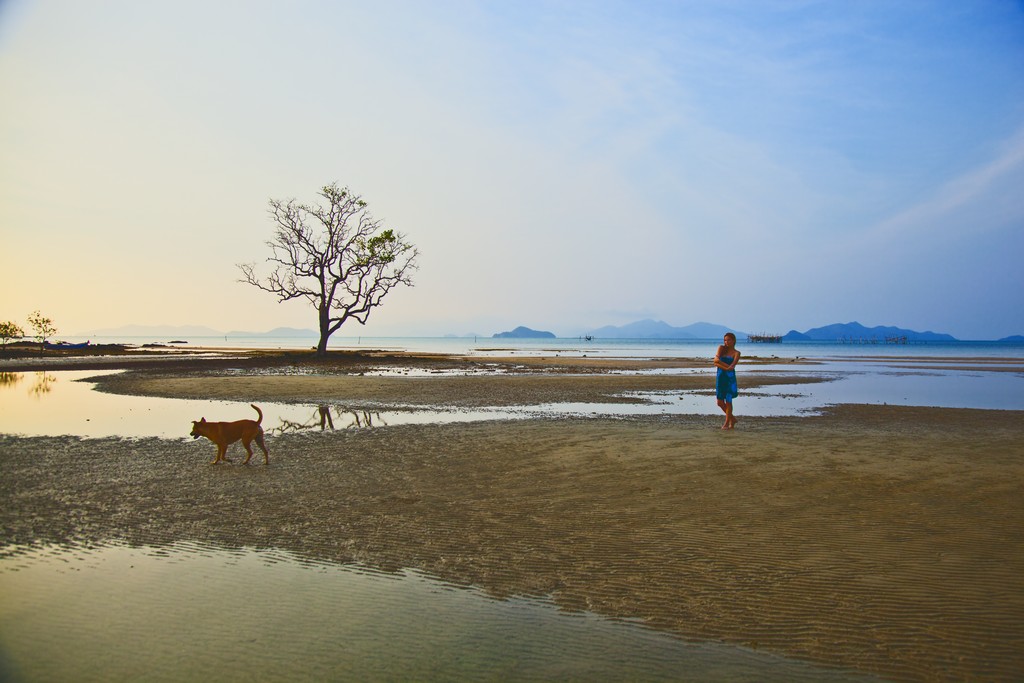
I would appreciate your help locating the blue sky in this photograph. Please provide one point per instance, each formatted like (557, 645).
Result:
(563, 165)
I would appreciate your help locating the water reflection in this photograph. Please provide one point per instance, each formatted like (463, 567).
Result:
(42, 384)
(64, 403)
(186, 611)
(323, 420)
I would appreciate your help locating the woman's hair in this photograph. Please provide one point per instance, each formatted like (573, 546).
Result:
(730, 334)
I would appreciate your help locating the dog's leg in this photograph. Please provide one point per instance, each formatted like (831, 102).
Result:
(248, 449)
(262, 444)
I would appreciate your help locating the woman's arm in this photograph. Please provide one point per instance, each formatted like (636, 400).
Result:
(718, 358)
(721, 364)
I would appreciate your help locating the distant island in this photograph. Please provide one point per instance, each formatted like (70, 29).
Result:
(852, 332)
(277, 332)
(524, 333)
(193, 331)
(855, 332)
(153, 331)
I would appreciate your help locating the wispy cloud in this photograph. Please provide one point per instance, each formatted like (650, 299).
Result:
(981, 189)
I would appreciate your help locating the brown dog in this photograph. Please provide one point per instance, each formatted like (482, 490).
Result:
(225, 433)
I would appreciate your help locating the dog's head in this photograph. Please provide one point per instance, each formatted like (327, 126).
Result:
(198, 428)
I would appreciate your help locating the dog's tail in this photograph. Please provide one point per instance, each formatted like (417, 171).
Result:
(257, 409)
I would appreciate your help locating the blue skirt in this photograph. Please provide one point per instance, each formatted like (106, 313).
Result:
(725, 385)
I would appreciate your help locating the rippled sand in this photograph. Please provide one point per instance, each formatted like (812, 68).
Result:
(889, 540)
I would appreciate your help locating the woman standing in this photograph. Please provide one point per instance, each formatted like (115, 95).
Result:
(725, 382)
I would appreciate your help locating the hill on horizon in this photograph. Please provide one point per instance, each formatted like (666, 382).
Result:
(854, 331)
(191, 331)
(524, 333)
(641, 329)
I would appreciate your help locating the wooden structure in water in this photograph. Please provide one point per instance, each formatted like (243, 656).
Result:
(776, 338)
(764, 338)
(894, 339)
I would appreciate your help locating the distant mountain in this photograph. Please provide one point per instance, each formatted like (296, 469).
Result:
(278, 332)
(856, 332)
(524, 333)
(154, 331)
(1015, 339)
(657, 329)
(191, 331)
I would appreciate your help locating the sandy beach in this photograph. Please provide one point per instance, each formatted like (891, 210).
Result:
(889, 540)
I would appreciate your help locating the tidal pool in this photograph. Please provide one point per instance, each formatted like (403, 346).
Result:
(187, 612)
(57, 403)
(60, 403)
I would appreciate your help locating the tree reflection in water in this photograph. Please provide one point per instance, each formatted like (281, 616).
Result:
(323, 419)
(44, 384)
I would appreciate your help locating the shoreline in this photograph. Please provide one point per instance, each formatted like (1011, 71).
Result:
(885, 539)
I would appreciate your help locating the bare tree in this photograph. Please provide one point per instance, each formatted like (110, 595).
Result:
(336, 256)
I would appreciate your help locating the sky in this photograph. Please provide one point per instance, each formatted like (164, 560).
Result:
(764, 165)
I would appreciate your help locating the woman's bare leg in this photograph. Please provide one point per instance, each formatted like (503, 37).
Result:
(726, 407)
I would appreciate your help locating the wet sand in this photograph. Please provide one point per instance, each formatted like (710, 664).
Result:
(885, 539)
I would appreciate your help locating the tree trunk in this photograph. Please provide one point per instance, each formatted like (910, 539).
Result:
(325, 331)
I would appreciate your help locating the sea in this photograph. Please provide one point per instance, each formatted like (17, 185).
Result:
(582, 346)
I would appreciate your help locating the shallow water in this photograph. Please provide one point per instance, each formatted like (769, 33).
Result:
(56, 403)
(63, 403)
(192, 612)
